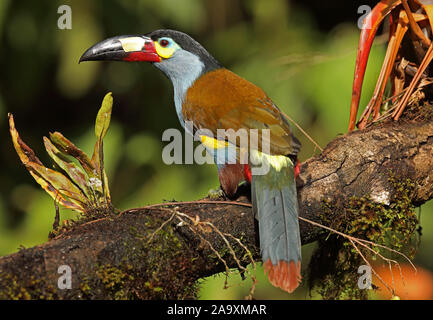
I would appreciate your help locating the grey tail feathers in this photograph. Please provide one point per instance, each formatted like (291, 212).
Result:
(276, 208)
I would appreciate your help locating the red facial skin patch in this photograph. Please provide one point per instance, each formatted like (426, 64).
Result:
(143, 56)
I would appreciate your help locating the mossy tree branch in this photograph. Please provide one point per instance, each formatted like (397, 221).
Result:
(131, 256)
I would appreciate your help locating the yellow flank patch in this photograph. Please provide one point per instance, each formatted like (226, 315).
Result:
(212, 143)
(132, 44)
(275, 161)
(164, 52)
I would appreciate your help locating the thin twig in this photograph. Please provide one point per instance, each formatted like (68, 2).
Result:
(364, 243)
(371, 268)
(175, 203)
(304, 133)
(229, 246)
(161, 226)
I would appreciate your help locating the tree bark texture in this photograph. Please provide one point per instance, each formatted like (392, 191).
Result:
(160, 253)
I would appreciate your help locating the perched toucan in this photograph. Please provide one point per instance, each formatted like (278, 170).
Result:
(212, 98)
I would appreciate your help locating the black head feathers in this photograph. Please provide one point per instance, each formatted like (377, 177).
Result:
(189, 44)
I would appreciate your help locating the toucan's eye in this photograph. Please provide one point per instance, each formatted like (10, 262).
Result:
(164, 43)
(166, 47)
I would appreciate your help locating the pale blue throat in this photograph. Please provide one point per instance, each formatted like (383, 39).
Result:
(183, 68)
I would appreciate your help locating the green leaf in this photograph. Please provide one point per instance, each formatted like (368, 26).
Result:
(104, 116)
(54, 183)
(101, 127)
(82, 188)
(68, 148)
(24, 152)
(56, 195)
(60, 182)
(76, 174)
(98, 162)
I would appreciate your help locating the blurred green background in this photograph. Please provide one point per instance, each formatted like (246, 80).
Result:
(302, 53)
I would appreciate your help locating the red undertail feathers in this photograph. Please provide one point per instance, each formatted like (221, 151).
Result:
(285, 275)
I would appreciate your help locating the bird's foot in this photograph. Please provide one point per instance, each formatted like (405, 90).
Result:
(215, 194)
